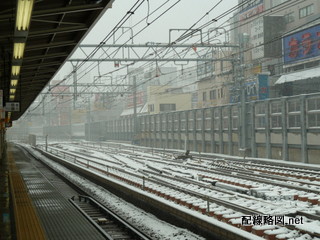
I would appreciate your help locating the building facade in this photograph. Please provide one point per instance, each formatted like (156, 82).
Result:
(278, 38)
(167, 99)
(214, 79)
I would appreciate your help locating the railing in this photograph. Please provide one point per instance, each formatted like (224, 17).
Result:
(284, 128)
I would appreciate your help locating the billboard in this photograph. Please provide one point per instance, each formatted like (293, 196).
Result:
(302, 45)
(257, 35)
(273, 28)
(263, 86)
(250, 89)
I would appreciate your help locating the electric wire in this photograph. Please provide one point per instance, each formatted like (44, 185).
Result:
(247, 50)
(109, 38)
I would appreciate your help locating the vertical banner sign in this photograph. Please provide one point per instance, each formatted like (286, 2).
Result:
(263, 86)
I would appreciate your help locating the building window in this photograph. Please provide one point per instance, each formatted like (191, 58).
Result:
(289, 18)
(260, 115)
(220, 93)
(294, 114)
(167, 107)
(204, 96)
(151, 107)
(276, 114)
(306, 11)
(213, 94)
(313, 112)
(235, 117)
(272, 70)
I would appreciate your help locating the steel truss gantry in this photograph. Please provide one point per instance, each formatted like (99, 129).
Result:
(156, 52)
(127, 54)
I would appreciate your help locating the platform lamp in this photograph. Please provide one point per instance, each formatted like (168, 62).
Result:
(11, 97)
(23, 17)
(18, 52)
(15, 72)
(13, 83)
(13, 88)
(18, 47)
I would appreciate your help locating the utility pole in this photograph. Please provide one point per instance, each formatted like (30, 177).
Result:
(134, 106)
(89, 119)
(243, 39)
(75, 89)
(70, 122)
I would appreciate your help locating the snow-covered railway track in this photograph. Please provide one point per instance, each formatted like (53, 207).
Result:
(280, 168)
(111, 225)
(198, 199)
(237, 179)
(159, 182)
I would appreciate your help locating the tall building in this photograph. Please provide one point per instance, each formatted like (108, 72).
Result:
(279, 45)
(158, 76)
(214, 79)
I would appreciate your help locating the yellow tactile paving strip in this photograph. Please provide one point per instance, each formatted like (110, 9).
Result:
(28, 225)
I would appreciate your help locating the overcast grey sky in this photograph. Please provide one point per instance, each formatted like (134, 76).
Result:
(182, 16)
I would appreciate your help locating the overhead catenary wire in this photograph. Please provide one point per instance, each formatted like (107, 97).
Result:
(103, 42)
(265, 13)
(275, 39)
(187, 33)
(139, 22)
(247, 50)
(79, 66)
(109, 35)
(156, 18)
(105, 39)
(283, 6)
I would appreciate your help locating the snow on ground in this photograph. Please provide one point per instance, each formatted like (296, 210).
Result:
(160, 232)
(274, 196)
(156, 228)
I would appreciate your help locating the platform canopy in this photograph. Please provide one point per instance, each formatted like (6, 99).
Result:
(301, 75)
(33, 51)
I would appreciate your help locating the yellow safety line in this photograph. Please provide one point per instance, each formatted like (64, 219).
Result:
(28, 225)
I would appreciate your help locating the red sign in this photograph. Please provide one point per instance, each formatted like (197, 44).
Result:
(302, 45)
(252, 12)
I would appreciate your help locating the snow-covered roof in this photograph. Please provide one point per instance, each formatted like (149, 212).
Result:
(140, 110)
(295, 76)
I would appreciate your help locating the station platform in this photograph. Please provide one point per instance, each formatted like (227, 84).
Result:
(32, 207)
